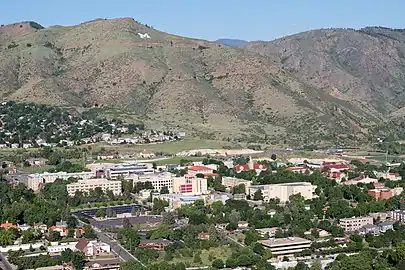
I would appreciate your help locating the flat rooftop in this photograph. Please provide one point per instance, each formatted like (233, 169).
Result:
(278, 242)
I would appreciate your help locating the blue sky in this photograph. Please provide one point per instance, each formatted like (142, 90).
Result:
(212, 19)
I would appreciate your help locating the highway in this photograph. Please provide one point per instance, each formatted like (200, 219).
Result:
(5, 263)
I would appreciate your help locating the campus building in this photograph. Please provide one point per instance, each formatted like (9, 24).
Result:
(89, 184)
(355, 223)
(231, 182)
(158, 180)
(190, 185)
(284, 191)
(177, 200)
(128, 171)
(398, 215)
(37, 180)
(286, 246)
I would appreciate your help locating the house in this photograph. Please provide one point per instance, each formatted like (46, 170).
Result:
(8, 225)
(63, 231)
(204, 236)
(250, 166)
(147, 154)
(297, 169)
(26, 145)
(92, 248)
(361, 179)
(270, 232)
(157, 244)
(323, 233)
(105, 157)
(380, 193)
(384, 193)
(243, 224)
(388, 176)
(24, 227)
(386, 225)
(337, 176)
(369, 229)
(335, 167)
(104, 264)
(194, 170)
(58, 248)
(37, 161)
(61, 224)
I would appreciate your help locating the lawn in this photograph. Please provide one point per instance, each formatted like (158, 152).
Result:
(186, 256)
(168, 147)
(38, 169)
(176, 160)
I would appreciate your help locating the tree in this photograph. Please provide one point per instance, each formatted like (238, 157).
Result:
(232, 226)
(89, 232)
(258, 196)
(169, 218)
(28, 236)
(251, 236)
(54, 236)
(239, 189)
(259, 249)
(71, 222)
(159, 206)
(164, 190)
(301, 266)
(316, 265)
(197, 258)
(126, 223)
(6, 238)
(78, 259)
(218, 264)
(100, 213)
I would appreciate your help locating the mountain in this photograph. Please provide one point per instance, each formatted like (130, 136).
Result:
(237, 43)
(315, 87)
(363, 66)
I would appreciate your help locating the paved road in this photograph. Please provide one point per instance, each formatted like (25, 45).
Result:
(124, 254)
(5, 263)
(121, 252)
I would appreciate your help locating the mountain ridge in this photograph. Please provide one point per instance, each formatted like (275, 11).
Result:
(259, 93)
(232, 42)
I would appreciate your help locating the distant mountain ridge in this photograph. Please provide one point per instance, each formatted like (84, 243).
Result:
(232, 42)
(321, 86)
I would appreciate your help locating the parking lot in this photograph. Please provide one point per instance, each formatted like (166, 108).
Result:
(119, 209)
(117, 222)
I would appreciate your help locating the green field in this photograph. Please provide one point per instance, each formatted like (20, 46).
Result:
(176, 160)
(207, 256)
(168, 147)
(38, 169)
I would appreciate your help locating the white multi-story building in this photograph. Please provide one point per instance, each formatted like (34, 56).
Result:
(355, 223)
(158, 180)
(232, 182)
(89, 184)
(35, 181)
(190, 185)
(286, 246)
(128, 171)
(398, 215)
(284, 191)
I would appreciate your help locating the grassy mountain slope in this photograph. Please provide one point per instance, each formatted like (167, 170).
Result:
(203, 87)
(364, 67)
